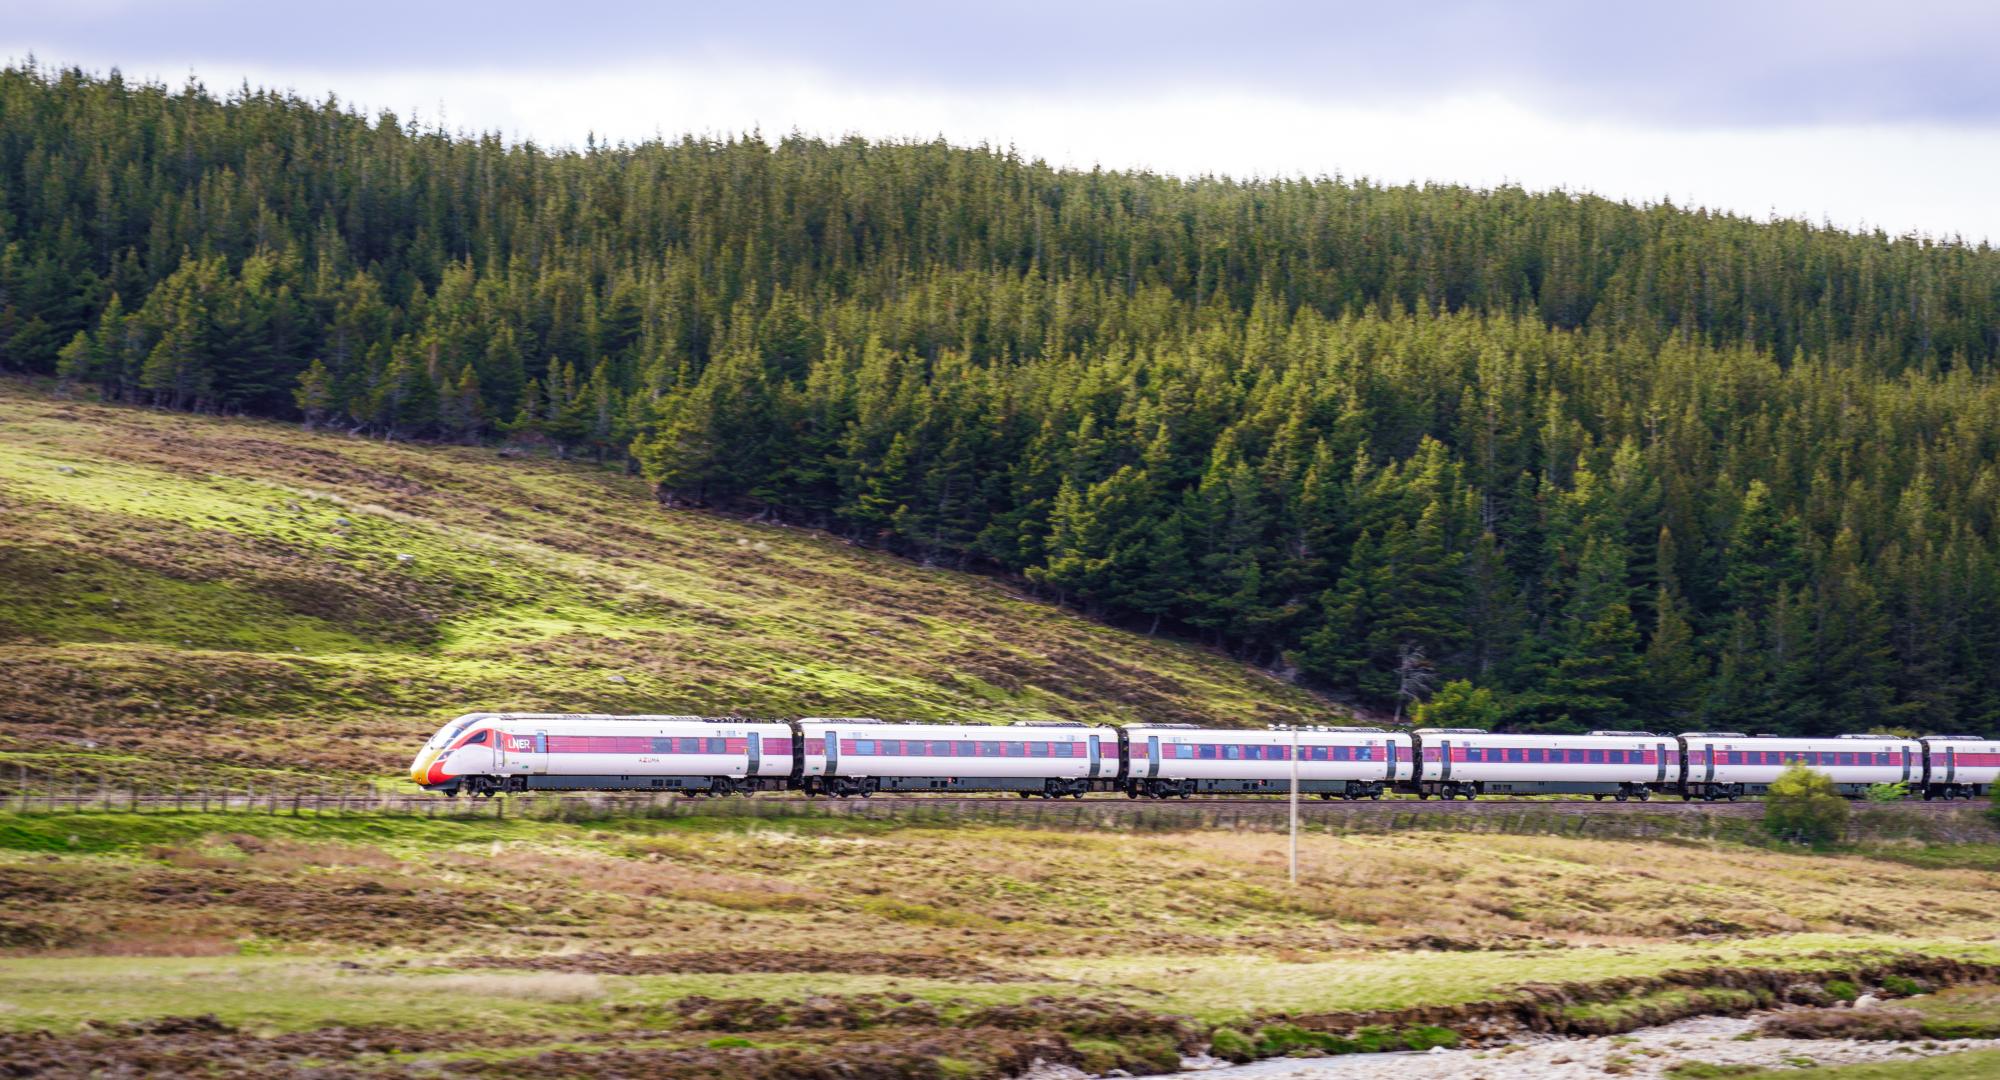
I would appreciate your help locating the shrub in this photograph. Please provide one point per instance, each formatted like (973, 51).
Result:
(1230, 1044)
(1459, 704)
(1803, 806)
(1902, 987)
(1429, 1035)
(1842, 989)
(1888, 793)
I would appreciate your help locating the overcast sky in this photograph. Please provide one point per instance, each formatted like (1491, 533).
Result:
(1884, 114)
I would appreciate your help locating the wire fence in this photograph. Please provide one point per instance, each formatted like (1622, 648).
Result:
(1922, 822)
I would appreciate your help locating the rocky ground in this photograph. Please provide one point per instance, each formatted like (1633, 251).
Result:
(1651, 1052)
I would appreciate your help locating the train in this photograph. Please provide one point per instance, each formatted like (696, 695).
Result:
(845, 757)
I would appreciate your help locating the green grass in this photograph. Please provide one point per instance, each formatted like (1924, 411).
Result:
(1977, 1065)
(197, 599)
(1963, 1012)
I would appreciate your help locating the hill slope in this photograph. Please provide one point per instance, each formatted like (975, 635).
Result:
(214, 599)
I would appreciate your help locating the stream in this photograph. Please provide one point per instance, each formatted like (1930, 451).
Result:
(1640, 1055)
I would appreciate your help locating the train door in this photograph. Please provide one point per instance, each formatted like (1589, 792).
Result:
(755, 741)
(1390, 746)
(525, 753)
(1950, 764)
(1708, 752)
(1152, 755)
(1444, 760)
(1096, 756)
(1906, 764)
(832, 752)
(1660, 777)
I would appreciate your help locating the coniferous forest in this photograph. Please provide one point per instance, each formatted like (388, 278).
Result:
(1605, 465)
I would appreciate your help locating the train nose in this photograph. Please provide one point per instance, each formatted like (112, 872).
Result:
(424, 766)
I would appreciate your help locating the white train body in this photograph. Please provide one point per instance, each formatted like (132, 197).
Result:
(1623, 764)
(1730, 764)
(1176, 759)
(860, 756)
(519, 751)
(1959, 766)
(488, 753)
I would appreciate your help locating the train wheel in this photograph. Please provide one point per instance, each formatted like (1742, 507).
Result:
(1598, 797)
(1375, 794)
(1621, 796)
(1645, 795)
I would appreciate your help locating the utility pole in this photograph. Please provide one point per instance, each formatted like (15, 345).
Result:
(1295, 805)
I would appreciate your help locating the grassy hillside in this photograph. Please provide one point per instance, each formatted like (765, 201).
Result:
(220, 600)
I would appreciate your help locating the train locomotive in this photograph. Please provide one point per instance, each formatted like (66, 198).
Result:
(493, 753)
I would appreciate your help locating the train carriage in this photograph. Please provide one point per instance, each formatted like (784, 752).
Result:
(1959, 766)
(1729, 765)
(484, 753)
(1467, 762)
(860, 756)
(1169, 760)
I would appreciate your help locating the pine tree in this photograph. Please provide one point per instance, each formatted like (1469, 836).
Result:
(1674, 674)
(314, 396)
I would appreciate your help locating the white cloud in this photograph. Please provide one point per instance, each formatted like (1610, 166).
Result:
(1904, 177)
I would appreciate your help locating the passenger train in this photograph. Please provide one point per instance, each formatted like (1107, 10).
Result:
(492, 753)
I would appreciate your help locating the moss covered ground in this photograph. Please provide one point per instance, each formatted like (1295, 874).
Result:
(198, 600)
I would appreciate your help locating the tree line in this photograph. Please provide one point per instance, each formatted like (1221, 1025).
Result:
(1583, 463)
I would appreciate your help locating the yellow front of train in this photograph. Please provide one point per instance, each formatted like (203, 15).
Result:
(432, 768)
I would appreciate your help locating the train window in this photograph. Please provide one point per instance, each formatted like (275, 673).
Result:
(477, 740)
(1038, 749)
(1015, 749)
(1233, 753)
(864, 746)
(989, 749)
(940, 749)
(1208, 752)
(1184, 750)
(715, 746)
(663, 746)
